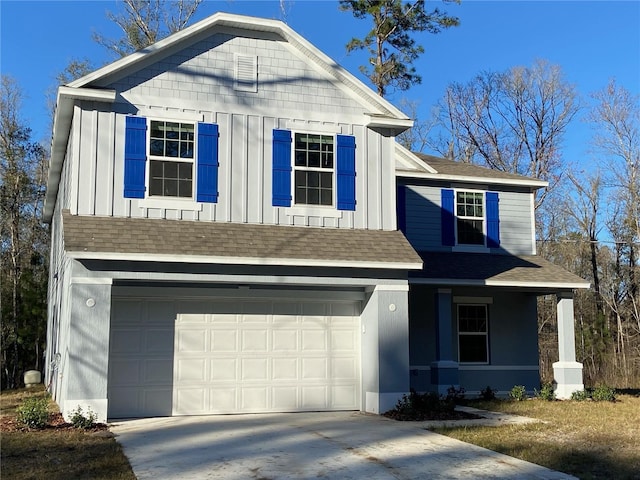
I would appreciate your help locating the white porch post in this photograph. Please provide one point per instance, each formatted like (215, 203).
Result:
(566, 372)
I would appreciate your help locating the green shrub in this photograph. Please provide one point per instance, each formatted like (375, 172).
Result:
(34, 412)
(604, 394)
(417, 406)
(580, 395)
(455, 395)
(518, 393)
(488, 394)
(546, 392)
(83, 420)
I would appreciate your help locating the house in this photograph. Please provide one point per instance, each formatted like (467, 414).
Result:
(225, 240)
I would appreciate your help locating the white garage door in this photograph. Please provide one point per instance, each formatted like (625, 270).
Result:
(234, 356)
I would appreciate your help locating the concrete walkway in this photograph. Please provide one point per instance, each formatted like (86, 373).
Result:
(330, 445)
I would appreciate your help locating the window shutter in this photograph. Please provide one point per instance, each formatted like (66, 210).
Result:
(401, 208)
(207, 163)
(493, 220)
(448, 218)
(281, 168)
(135, 157)
(346, 172)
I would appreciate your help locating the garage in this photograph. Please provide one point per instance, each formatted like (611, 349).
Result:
(233, 355)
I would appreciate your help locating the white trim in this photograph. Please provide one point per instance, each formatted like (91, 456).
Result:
(312, 211)
(407, 158)
(498, 283)
(305, 126)
(296, 262)
(167, 114)
(388, 288)
(169, 203)
(483, 300)
(91, 280)
(383, 121)
(473, 180)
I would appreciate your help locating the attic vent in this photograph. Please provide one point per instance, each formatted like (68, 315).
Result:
(246, 73)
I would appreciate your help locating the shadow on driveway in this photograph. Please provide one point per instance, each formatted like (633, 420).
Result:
(331, 445)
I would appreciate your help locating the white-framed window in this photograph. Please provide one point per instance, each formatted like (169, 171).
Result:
(314, 169)
(171, 159)
(470, 217)
(473, 333)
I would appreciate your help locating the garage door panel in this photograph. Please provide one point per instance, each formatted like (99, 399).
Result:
(285, 398)
(126, 340)
(158, 340)
(194, 398)
(344, 368)
(314, 340)
(254, 369)
(314, 398)
(315, 369)
(254, 341)
(284, 369)
(224, 340)
(343, 339)
(158, 371)
(190, 370)
(224, 370)
(192, 340)
(343, 396)
(254, 399)
(223, 400)
(284, 340)
(124, 372)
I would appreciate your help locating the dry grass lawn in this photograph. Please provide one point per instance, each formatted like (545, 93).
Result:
(591, 440)
(57, 452)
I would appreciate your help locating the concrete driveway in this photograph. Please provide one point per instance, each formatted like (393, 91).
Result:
(340, 445)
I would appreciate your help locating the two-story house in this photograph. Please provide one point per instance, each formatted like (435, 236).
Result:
(225, 239)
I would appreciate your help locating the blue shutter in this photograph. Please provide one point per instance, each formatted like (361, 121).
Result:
(135, 157)
(448, 218)
(281, 168)
(346, 172)
(493, 220)
(401, 208)
(207, 163)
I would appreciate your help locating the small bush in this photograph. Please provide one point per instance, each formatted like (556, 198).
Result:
(488, 394)
(518, 393)
(83, 420)
(580, 395)
(417, 406)
(603, 394)
(546, 392)
(34, 412)
(455, 395)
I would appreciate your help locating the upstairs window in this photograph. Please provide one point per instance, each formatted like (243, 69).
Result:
(470, 218)
(313, 169)
(473, 334)
(171, 154)
(170, 160)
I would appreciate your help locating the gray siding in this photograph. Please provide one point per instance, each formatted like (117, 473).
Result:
(197, 85)
(513, 345)
(423, 219)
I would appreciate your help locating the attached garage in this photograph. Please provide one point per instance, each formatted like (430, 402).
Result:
(179, 356)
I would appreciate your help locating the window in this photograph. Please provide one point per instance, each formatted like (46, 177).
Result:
(470, 218)
(171, 153)
(313, 169)
(170, 160)
(473, 334)
(317, 170)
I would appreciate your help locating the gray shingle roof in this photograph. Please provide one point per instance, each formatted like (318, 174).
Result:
(135, 237)
(450, 167)
(490, 269)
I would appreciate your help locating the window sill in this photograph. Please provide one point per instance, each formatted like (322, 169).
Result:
(313, 211)
(470, 249)
(170, 204)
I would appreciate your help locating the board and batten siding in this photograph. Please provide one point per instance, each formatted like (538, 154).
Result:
(197, 84)
(423, 219)
(96, 183)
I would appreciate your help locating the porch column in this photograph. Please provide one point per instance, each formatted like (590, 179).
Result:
(444, 371)
(567, 372)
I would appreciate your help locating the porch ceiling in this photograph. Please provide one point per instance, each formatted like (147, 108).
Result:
(481, 269)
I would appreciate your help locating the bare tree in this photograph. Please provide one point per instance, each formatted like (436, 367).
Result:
(512, 121)
(23, 239)
(417, 138)
(144, 22)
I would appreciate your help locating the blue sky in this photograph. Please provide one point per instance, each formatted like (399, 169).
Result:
(592, 41)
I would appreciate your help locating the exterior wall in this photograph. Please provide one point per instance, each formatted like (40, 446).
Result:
(197, 85)
(423, 218)
(513, 346)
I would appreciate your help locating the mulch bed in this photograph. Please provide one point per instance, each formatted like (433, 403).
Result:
(8, 423)
(426, 416)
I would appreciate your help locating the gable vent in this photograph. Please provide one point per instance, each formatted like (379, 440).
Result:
(246, 72)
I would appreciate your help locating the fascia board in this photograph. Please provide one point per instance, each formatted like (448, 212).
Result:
(61, 129)
(501, 283)
(405, 156)
(289, 262)
(466, 179)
